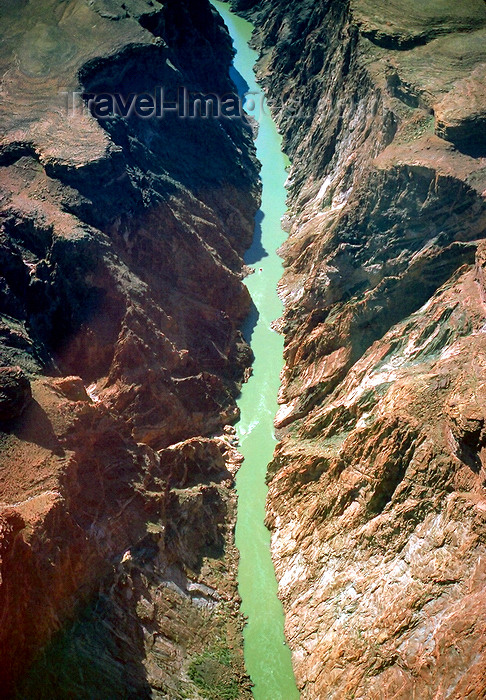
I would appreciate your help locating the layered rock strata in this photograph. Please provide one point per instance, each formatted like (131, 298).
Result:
(377, 501)
(120, 299)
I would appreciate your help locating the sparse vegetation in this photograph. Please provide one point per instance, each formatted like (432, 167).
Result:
(211, 672)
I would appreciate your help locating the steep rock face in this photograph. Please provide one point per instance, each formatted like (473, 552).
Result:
(377, 494)
(120, 299)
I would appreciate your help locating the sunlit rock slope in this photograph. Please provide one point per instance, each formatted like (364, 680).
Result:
(377, 491)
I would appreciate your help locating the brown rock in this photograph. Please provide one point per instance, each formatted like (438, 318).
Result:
(376, 491)
(72, 388)
(109, 233)
(460, 115)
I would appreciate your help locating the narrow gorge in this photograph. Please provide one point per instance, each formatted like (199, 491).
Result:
(267, 656)
(125, 318)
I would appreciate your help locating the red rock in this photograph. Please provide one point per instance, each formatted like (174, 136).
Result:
(376, 491)
(110, 231)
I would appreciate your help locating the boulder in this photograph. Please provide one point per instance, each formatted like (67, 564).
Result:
(15, 392)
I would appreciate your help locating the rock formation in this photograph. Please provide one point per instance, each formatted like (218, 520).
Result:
(119, 359)
(15, 393)
(377, 500)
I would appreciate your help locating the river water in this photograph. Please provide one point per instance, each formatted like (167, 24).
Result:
(267, 657)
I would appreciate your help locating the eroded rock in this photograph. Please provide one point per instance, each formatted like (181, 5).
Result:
(110, 231)
(376, 491)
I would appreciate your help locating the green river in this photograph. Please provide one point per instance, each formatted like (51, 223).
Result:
(267, 657)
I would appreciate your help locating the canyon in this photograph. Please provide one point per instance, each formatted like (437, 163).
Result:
(121, 304)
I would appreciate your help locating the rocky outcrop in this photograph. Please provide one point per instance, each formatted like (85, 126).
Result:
(377, 497)
(113, 500)
(15, 392)
(97, 542)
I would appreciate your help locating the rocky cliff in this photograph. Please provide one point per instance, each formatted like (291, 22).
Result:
(377, 500)
(120, 300)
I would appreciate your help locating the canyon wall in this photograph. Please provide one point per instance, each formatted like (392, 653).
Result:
(121, 295)
(377, 497)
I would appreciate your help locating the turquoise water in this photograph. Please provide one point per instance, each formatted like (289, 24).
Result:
(267, 657)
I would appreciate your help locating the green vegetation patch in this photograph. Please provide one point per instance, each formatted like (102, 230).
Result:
(211, 672)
